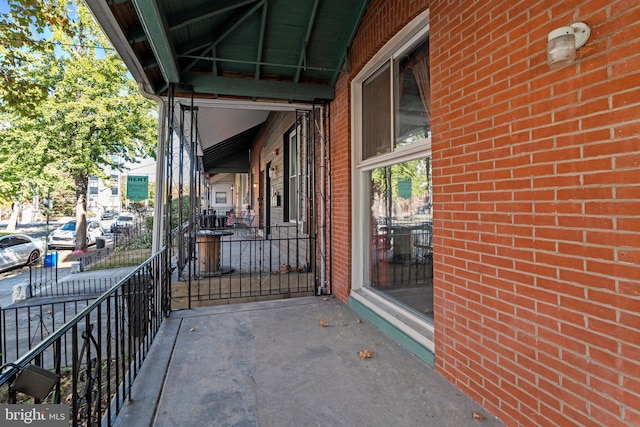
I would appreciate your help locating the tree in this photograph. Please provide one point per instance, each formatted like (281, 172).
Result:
(22, 32)
(92, 115)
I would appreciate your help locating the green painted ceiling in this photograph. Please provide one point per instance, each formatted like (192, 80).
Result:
(290, 50)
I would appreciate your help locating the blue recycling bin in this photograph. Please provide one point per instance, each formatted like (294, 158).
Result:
(51, 259)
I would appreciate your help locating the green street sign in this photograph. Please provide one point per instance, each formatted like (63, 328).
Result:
(137, 188)
(404, 188)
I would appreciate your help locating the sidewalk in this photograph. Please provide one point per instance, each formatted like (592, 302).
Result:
(273, 363)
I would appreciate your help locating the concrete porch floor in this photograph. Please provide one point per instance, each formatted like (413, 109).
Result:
(272, 363)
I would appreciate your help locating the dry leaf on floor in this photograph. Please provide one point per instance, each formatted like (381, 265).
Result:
(358, 321)
(366, 354)
(376, 343)
(325, 299)
(324, 323)
(192, 329)
(477, 416)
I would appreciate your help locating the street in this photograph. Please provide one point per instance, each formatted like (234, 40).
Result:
(9, 279)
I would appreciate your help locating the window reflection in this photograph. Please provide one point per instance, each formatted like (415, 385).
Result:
(401, 251)
(413, 113)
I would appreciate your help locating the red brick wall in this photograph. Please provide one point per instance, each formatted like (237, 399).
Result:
(537, 210)
(340, 195)
(536, 205)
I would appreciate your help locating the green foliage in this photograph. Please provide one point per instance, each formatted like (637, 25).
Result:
(142, 241)
(65, 113)
(385, 179)
(25, 54)
(148, 222)
(179, 206)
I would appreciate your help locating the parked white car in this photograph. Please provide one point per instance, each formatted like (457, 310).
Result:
(124, 222)
(19, 249)
(65, 235)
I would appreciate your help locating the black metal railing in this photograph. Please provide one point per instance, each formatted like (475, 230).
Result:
(245, 262)
(107, 258)
(25, 326)
(98, 353)
(74, 288)
(130, 247)
(45, 270)
(402, 256)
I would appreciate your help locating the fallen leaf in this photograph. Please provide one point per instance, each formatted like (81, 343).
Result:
(358, 321)
(192, 329)
(325, 299)
(366, 354)
(477, 416)
(324, 323)
(376, 343)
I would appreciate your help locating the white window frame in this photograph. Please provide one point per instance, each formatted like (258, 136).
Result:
(405, 40)
(220, 194)
(294, 201)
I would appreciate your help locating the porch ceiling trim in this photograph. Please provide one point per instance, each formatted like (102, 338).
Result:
(260, 88)
(155, 26)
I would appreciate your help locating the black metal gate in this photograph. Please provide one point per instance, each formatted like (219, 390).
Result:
(238, 261)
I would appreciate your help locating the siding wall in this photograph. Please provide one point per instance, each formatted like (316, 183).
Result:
(536, 179)
(277, 125)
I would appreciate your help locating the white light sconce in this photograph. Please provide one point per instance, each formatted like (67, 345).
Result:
(563, 43)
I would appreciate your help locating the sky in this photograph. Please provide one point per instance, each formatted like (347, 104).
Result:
(145, 167)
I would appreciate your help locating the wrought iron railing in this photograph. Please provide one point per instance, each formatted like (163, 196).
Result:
(246, 262)
(25, 326)
(99, 352)
(73, 288)
(129, 248)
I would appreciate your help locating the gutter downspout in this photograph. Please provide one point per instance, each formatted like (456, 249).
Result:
(158, 207)
(322, 290)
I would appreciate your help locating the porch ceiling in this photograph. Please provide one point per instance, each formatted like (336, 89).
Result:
(232, 154)
(287, 50)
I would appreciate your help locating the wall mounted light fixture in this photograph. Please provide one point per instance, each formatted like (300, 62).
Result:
(564, 41)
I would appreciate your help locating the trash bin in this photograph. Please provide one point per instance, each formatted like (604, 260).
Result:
(51, 259)
(100, 242)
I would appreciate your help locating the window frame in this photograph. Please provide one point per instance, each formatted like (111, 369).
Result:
(415, 326)
(218, 194)
(293, 181)
(408, 38)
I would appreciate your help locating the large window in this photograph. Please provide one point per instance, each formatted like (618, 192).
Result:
(392, 181)
(400, 260)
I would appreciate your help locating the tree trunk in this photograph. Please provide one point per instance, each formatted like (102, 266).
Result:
(82, 184)
(13, 219)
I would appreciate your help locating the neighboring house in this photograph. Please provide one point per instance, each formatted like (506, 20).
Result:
(475, 204)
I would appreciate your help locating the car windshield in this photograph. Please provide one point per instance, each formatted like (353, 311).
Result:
(125, 218)
(70, 226)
